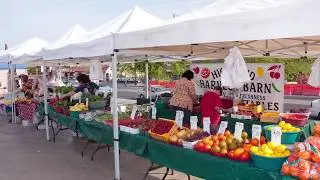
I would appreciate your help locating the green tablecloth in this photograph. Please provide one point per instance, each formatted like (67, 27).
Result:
(102, 133)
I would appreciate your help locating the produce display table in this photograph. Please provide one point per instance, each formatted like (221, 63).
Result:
(164, 112)
(184, 160)
(204, 165)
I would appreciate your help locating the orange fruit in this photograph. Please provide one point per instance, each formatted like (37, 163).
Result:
(285, 169)
(246, 147)
(304, 155)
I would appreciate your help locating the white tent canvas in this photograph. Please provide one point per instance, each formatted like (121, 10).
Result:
(22, 51)
(280, 29)
(69, 37)
(99, 41)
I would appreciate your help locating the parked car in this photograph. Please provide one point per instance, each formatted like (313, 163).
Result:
(154, 92)
(315, 108)
(105, 89)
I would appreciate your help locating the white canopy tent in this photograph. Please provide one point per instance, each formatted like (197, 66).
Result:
(70, 36)
(23, 50)
(282, 29)
(99, 41)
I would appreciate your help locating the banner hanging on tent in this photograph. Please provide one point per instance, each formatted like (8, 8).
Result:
(266, 86)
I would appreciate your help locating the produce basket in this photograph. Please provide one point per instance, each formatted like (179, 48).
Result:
(268, 163)
(97, 105)
(297, 119)
(165, 137)
(286, 138)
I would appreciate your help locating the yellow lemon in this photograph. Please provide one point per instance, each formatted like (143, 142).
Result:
(264, 146)
(281, 123)
(286, 153)
(260, 72)
(271, 145)
(286, 126)
(281, 148)
(254, 149)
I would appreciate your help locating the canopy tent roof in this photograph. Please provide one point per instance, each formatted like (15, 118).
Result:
(99, 41)
(71, 36)
(23, 50)
(286, 29)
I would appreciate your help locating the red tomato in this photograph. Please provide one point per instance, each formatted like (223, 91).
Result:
(254, 142)
(231, 154)
(262, 140)
(245, 156)
(201, 145)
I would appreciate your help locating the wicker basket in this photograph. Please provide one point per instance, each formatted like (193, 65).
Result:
(165, 137)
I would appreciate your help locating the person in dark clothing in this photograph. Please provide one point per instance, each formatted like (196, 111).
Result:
(86, 86)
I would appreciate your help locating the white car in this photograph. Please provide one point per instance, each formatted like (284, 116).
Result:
(105, 89)
(154, 92)
(315, 108)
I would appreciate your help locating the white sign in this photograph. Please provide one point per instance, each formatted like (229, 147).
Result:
(276, 133)
(179, 118)
(238, 130)
(266, 86)
(153, 112)
(256, 131)
(193, 122)
(206, 124)
(133, 112)
(222, 128)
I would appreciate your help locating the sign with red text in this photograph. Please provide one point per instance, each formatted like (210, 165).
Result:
(266, 86)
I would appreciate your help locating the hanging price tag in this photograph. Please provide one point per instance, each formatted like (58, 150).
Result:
(222, 128)
(256, 131)
(179, 118)
(153, 112)
(133, 112)
(276, 133)
(206, 125)
(193, 122)
(238, 130)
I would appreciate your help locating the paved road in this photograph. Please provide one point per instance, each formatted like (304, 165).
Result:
(131, 92)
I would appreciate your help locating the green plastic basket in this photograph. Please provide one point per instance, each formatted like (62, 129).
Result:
(268, 163)
(286, 138)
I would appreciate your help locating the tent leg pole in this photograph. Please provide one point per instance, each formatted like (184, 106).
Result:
(12, 97)
(147, 77)
(115, 116)
(45, 101)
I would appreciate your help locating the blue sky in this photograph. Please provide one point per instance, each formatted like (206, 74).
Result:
(48, 19)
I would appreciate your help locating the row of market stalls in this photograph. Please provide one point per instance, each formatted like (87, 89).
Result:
(226, 28)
